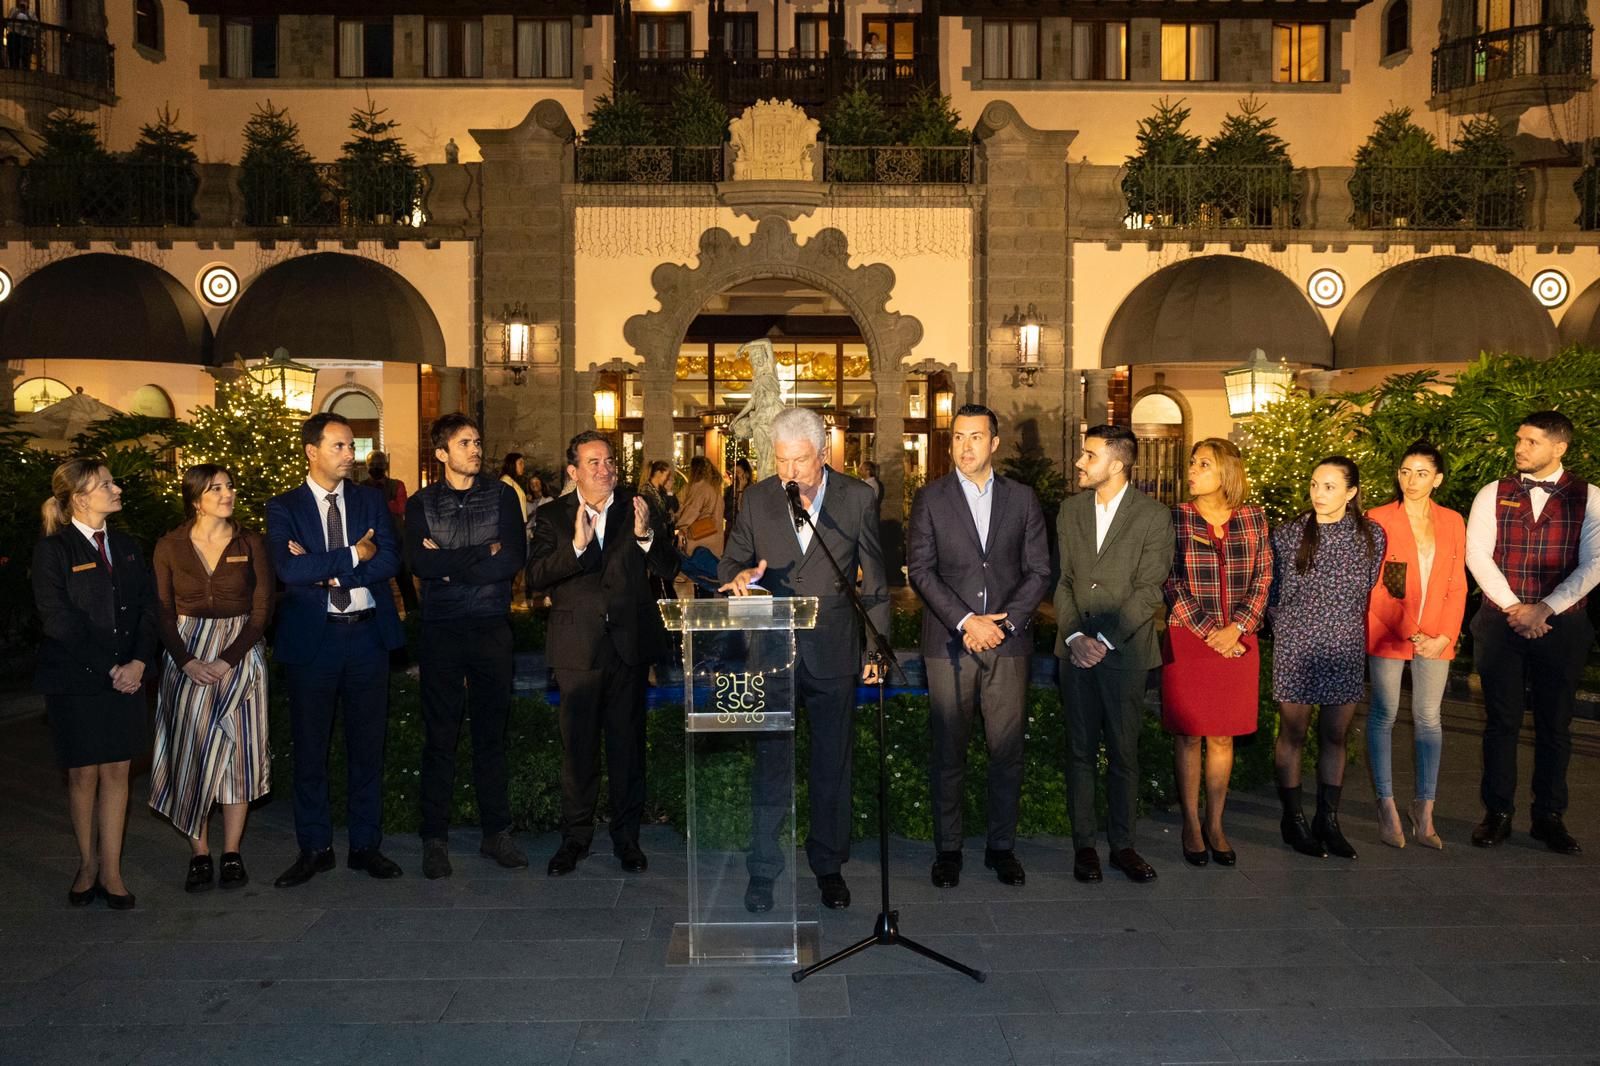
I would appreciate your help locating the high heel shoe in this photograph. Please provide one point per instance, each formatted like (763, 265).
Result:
(1195, 858)
(1430, 840)
(1325, 827)
(1222, 858)
(1298, 836)
(115, 902)
(1396, 837)
(84, 898)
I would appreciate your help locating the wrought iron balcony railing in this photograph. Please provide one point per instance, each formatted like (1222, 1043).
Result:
(1550, 50)
(108, 193)
(649, 164)
(1210, 196)
(1446, 196)
(333, 194)
(1588, 189)
(898, 164)
(41, 52)
(739, 79)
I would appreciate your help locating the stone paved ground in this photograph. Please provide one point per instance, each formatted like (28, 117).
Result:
(1410, 954)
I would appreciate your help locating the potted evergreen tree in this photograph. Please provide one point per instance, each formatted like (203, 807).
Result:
(696, 123)
(624, 126)
(1249, 177)
(69, 182)
(854, 124)
(378, 175)
(164, 179)
(278, 179)
(1152, 181)
(929, 121)
(1395, 169)
(1488, 188)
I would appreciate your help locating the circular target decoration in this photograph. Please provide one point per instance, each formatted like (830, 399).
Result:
(1325, 287)
(5, 285)
(1551, 288)
(219, 285)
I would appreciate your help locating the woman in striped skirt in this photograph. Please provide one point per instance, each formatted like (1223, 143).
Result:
(214, 585)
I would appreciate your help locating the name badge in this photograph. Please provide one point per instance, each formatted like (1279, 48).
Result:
(1510, 503)
(84, 566)
(238, 559)
(1198, 539)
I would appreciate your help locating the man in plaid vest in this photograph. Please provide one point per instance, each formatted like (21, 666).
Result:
(1533, 544)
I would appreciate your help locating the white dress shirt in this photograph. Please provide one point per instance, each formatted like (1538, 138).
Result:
(89, 532)
(1104, 515)
(360, 598)
(598, 517)
(815, 511)
(1483, 530)
(980, 504)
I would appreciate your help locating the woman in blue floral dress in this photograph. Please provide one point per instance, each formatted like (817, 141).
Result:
(1325, 563)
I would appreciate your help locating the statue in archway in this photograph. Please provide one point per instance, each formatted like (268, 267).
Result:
(754, 420)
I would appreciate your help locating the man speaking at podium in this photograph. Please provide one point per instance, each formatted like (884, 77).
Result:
(766, 551)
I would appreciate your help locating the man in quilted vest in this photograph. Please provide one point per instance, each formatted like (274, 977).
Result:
(1533, 545)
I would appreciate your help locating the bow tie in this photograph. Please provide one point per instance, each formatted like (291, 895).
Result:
(1528, 485)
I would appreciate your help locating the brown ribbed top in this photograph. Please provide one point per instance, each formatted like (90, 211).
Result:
(242, 584)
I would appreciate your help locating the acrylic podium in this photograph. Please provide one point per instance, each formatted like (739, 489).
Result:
(739, 713)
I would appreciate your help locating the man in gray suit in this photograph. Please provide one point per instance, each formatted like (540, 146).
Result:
(765, 550)
(977, 556)
(1116, 551)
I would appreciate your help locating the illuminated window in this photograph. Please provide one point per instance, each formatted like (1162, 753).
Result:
(1188, 51)
(1301, 52)
(1100, 51)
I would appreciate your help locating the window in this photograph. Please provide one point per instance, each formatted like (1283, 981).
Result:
(1300, 51)
(365, 48)
(250, 47)
(1100, 51)
(1188, 51)
(1010, 49)
(889, 37)
(147, 24)
(1397, 28)
(544, 48)
(811, 36)
(662, 36)
(455, 48)
(739, 34)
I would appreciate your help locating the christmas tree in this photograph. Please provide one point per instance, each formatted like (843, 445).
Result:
(69, 183)
(256, 437)
(1151, 184)
(164, 179)
(377, 173)
(279, 179)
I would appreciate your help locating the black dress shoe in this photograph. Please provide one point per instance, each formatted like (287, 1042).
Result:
(758, 895)
(115, 902)
(1006, 866)
(1554, 834)
(1298, 836)
(1218, 856)
(374, 862)
(200, 874)
(503, 849)
(232, 874)
(306, 865)
(1137, 870)
(1494, 828)
(436, 859)
(631, 858)
(1086, 865)
(1325, 827)
(565, 860)
(835, 893)
(946, 872)
(84, 898)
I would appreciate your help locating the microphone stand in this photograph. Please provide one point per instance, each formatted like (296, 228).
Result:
(879, 651)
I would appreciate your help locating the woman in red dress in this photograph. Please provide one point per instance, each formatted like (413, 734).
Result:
(1216, 598)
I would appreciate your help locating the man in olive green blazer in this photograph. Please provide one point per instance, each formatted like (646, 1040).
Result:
(1116, 550)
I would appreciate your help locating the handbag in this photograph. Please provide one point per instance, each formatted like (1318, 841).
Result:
(701, 528)
(1394, 578)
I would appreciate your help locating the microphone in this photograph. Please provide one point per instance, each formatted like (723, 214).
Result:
(795, 508)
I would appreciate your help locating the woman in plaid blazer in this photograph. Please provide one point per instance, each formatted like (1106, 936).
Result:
(1216, 598)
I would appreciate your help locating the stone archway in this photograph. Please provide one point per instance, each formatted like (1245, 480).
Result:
(774, 251)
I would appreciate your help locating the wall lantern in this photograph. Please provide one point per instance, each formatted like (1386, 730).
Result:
(944, 405)
(1256, 385)
(1028, 329)
(605, 408)
(510, 341)
(286, 380)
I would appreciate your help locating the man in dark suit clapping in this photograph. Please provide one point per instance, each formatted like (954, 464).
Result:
(978, 558)
(593, 552)
(334, 549)
(765, 549)
(1116, 550)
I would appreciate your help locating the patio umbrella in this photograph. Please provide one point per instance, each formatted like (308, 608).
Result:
(54, 427)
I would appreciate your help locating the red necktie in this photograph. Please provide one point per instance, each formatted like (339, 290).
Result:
(100, 543)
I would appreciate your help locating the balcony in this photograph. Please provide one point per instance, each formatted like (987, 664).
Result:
(333, 194)
(78, 66)
(898, 164)
(605, 164)
(111, 193)
(1446, 196)
(1209, 196)
(612, 164)
(1540, 59)
(741, 79)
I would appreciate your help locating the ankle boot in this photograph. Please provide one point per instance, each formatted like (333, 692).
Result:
(1325, 826)
(1295, 832)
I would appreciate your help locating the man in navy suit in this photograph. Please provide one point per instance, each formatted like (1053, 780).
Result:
(978, 557)
(334, 549)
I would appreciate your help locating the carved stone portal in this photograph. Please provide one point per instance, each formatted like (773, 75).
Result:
(773, 140)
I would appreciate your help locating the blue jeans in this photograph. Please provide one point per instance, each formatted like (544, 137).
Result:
(1428, 677)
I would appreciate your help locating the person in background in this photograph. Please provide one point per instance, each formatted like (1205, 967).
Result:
(537, 498)
(700, 521)
(1325, 562)
(654, 485)
(733, 496)
(869, 474)
(394, 498)
(1216, 601)
(1533, 543)
(1414, 616)
(512, 469)
(97, 611)
(214, 587)
(22, 36)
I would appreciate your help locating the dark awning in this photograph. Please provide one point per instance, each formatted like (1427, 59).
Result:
(1215, 309)
(104, 306)
(1581, 324)
(332, 306)
(1440, 310)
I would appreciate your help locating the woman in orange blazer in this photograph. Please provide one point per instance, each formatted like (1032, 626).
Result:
(1414, 615)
